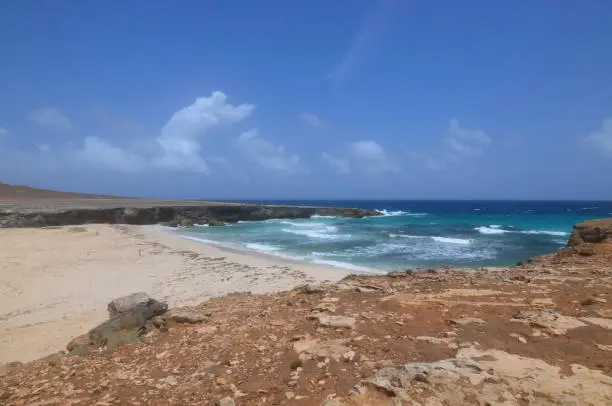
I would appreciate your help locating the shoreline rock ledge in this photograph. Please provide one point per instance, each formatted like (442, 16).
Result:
(170, 214)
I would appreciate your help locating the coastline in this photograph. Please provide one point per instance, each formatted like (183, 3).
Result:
(55, 282)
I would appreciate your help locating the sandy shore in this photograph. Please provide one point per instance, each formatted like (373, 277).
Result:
(55, 282)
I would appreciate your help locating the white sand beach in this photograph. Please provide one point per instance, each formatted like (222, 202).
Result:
(55, 282)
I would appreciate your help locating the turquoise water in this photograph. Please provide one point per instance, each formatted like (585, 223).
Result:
(413, 234)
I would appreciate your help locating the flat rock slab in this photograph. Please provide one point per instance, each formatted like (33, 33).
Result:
(312, 349)
(598, 321)
(491, 377)
(466, 321)
(553, 322)
(335, 321)
(188, 316)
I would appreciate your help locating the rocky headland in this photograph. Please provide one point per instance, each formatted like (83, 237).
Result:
(23, 206)
(539, 333)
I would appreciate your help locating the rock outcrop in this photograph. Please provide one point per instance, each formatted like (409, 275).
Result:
(130, 318)
(171, 215)
(591, 232)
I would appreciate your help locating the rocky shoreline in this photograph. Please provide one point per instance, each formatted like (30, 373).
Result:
(170, 213)
(535, 334)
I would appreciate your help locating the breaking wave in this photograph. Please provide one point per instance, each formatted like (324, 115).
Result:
(447, 240)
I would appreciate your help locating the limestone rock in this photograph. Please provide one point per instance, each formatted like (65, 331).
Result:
(591, 231)
(553, 322)
(598, 321)
(127, 303)
(334, 349)
(126, 327)
(467, 320)
(490, 377)
(335, 321)
(226, 401)
(185, 315)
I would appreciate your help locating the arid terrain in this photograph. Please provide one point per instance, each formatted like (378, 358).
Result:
(537, 334)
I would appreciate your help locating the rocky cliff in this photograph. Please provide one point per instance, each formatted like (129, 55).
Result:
(591, 232)
(169, 214)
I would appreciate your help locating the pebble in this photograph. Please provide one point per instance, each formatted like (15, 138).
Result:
(226, 401)
(349, 356)
(519, 337)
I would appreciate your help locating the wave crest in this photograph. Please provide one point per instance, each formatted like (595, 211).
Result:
(448, 240)
(490, 230)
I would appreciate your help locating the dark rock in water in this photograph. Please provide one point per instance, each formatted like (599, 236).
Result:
(216, 223)
(591, 231)
(186, 223)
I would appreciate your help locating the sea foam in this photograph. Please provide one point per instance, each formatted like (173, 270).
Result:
(262, 247)
(447, 240)
(555, 233)
(491, 230)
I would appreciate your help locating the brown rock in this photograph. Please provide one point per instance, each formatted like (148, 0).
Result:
(81, 341)
(591, 231)
(185, 315)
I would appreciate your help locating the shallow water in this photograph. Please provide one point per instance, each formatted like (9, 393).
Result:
(413, 233)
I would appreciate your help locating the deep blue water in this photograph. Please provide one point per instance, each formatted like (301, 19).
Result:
(414, 233)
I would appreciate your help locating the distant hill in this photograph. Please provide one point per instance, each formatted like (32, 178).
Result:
(26, 192)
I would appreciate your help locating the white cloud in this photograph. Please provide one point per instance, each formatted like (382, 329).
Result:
(313, 120)
(602, 138)
(4, 132)
(99, 153)
(367, 156)
(180, 136)
(267, 155)
(464, 141)
(51, 118)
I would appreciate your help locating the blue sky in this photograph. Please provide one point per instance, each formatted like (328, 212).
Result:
(310, 99)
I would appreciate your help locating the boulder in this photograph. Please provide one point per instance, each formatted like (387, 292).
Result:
(127, 303)
(127, 326)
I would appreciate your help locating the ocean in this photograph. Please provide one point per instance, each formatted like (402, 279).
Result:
(412, 234)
